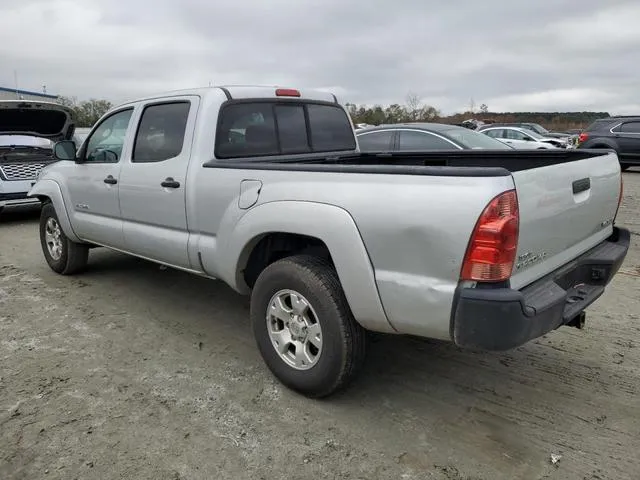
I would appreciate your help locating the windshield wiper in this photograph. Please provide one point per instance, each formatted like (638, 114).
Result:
(24, 147)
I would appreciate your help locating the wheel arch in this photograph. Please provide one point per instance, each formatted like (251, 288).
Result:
(307, 227)
(48, 191)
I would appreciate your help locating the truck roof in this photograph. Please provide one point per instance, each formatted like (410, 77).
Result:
(244, 91)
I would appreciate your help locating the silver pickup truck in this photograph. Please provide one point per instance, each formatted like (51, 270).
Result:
(264, 188)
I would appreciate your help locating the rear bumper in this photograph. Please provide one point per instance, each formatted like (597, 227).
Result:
(502, 318)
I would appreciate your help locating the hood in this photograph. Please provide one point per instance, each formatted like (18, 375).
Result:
(553, 140)
(36, 119)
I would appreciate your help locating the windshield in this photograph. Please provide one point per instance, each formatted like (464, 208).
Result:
(475, 140)
(534, 127)
(532, 133)
(24, 141)
(80, 135)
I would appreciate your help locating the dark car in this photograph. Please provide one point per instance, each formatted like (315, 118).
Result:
(424, 136)
(621, 134)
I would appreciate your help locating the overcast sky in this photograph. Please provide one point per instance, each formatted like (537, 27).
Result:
(545, 55)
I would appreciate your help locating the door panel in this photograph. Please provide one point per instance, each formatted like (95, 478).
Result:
(153, 182)
(628, 137)
(92, 185)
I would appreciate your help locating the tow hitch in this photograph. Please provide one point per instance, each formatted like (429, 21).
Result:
(578, 321)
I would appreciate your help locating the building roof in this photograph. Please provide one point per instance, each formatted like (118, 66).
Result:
(27, 92)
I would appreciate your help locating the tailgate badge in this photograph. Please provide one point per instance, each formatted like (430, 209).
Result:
(529, 258)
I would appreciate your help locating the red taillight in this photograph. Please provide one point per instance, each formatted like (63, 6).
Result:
(287, 92)
(492, 248)
(583, 137)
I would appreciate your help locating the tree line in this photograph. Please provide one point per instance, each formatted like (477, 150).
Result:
(87, 113)
(414, 111)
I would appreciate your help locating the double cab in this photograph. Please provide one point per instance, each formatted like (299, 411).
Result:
(265, 189)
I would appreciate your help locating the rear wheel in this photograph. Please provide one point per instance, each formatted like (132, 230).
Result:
(62, 255)
(304, 328)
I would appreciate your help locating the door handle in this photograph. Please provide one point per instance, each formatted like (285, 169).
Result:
(110, 180)
(169, 182)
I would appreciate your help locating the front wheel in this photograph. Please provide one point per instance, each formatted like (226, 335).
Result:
(62, 255)
(304, 328)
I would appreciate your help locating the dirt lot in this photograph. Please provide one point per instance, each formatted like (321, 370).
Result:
(131, 371)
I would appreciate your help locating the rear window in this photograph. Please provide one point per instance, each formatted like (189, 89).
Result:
(598, 124)
(475, 140)
(256, 129)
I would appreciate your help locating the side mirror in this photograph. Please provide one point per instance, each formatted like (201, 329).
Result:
(65, 150)
(527, 139)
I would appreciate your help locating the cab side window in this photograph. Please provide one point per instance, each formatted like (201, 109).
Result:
(106, 142)
(161, 132)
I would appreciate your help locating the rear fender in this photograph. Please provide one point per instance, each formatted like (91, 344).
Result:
(333, 226)
(600, 143)
(50, 190)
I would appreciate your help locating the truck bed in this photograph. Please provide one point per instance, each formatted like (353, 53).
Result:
(467, 163)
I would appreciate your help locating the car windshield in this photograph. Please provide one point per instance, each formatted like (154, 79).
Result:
(532, 133)
(534, 127)
(475, 140)
(80, 135)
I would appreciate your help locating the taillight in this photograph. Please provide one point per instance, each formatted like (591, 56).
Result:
(583, 137)
(492, 248)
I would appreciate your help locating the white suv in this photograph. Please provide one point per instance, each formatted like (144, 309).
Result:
(28, 130)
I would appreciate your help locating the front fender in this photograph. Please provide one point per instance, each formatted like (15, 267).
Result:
(331, 224)
(49, 189)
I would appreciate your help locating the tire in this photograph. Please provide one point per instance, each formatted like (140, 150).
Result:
(342, 340)
(624, 167)
(72, 257)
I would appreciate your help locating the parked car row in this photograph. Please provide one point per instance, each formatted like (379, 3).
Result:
(523, 138)
(620, 134)
(437, 136)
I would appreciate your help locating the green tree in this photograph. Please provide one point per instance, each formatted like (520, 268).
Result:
(86, 113)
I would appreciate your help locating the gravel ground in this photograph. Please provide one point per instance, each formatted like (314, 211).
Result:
(135, 372)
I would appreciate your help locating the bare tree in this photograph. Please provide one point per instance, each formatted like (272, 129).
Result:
(484, 108)
(413, 105)
(472, 105)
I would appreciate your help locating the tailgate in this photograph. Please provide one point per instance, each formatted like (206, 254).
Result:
(565, 209)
